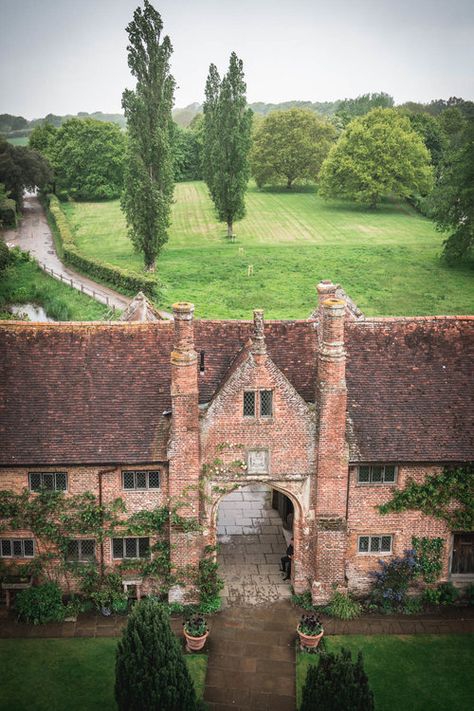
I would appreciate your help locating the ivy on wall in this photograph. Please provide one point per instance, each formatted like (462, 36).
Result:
(448, 496)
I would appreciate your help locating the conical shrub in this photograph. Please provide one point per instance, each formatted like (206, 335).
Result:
(150, 670)
(337, 684)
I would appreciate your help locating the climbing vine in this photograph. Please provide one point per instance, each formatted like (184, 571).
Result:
(428, 556)
(448, 496)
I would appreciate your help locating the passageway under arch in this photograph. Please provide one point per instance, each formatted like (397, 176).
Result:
(254, 526)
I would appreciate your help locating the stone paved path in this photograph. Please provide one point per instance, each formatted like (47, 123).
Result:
(251, 542)
(34, 235)
(252, 659)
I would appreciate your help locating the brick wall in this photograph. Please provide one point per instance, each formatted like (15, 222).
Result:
(364, 519)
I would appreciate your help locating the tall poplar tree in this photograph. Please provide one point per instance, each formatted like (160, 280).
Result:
(227, 130)
(148, 180)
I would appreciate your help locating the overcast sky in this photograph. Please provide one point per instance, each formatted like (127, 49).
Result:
(65, 56)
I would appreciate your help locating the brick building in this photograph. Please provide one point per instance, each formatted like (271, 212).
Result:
(332, 412)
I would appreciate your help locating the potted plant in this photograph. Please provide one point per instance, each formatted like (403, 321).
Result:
(310, 630)
(196, 632)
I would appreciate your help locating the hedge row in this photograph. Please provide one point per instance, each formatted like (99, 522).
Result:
(128, 281)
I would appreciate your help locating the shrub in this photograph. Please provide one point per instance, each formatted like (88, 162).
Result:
(392, 581)
(448, 593)
(150, 671)
(444, 594)
(5, 256)
(304, 600)
(412, 605)
(337, 684)
(209, 584)
(41, 604)
(469, 594)
(310, 625)
(343, 607)
(125, 279)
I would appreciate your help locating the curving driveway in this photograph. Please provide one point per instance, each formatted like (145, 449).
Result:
(34, 235)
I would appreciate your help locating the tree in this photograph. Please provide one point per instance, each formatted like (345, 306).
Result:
(452, 200)
(22, 168)
(351, 108)
(87, 157)
(337, 684)
(187, 153)
(227, 136)
(290, 145)
(429, 129)
(146, 200)
(378, 154)
(150, 670)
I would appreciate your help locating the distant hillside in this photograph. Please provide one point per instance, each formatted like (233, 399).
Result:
(184, 116)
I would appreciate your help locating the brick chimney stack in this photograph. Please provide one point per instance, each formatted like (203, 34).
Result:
(326, 290)
(258, 339)
(183, 449)
(332, 453)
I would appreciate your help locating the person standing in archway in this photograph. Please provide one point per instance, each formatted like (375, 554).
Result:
(286, 560)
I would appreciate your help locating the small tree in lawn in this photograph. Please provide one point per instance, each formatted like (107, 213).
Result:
(337, 684)
(149, 164)
(227, 136)
(150, 670)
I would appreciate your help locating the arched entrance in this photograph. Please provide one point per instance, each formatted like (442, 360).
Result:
(254, 527)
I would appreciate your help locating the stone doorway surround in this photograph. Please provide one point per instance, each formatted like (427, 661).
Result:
(251, 542)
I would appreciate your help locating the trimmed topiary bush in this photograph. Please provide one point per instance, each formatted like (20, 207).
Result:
(337, 684)
(150, 671)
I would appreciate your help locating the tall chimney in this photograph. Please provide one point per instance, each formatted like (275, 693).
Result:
(332, 453)
(326, 290)
(258, 339)
(183, 449)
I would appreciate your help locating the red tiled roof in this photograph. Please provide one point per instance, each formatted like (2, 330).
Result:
(95, 393)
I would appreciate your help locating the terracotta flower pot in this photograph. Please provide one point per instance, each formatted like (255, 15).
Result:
(194, 644)
(309, 641)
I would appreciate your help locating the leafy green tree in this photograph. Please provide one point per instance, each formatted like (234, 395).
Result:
(87, 157)
(433, 135)
(187, 154)
(337, 684)
(150, 671)
(349, 109)
(22, 168)
(227, 137)
(378, 154)
(149, 169)
(290, 145)
(42, 139)
(7, 213)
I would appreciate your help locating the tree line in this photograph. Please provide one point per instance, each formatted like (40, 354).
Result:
(366, 150)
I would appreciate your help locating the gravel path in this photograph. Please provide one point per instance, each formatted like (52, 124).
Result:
(34, 236)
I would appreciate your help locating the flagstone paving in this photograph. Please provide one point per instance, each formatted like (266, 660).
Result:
(251, 542)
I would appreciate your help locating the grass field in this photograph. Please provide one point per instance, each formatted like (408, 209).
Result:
(72, 674)
(409, 672)
(387, 260)
(25, 282)
(18, 140)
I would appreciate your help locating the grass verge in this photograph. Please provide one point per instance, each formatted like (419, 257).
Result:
(411, 672)
(25, 282)
(72, 674)
(388, 260)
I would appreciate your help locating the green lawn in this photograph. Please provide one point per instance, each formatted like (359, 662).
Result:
(18, 140)
(387, 260)
(409, 672)
(72, 674)
(25, 282)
